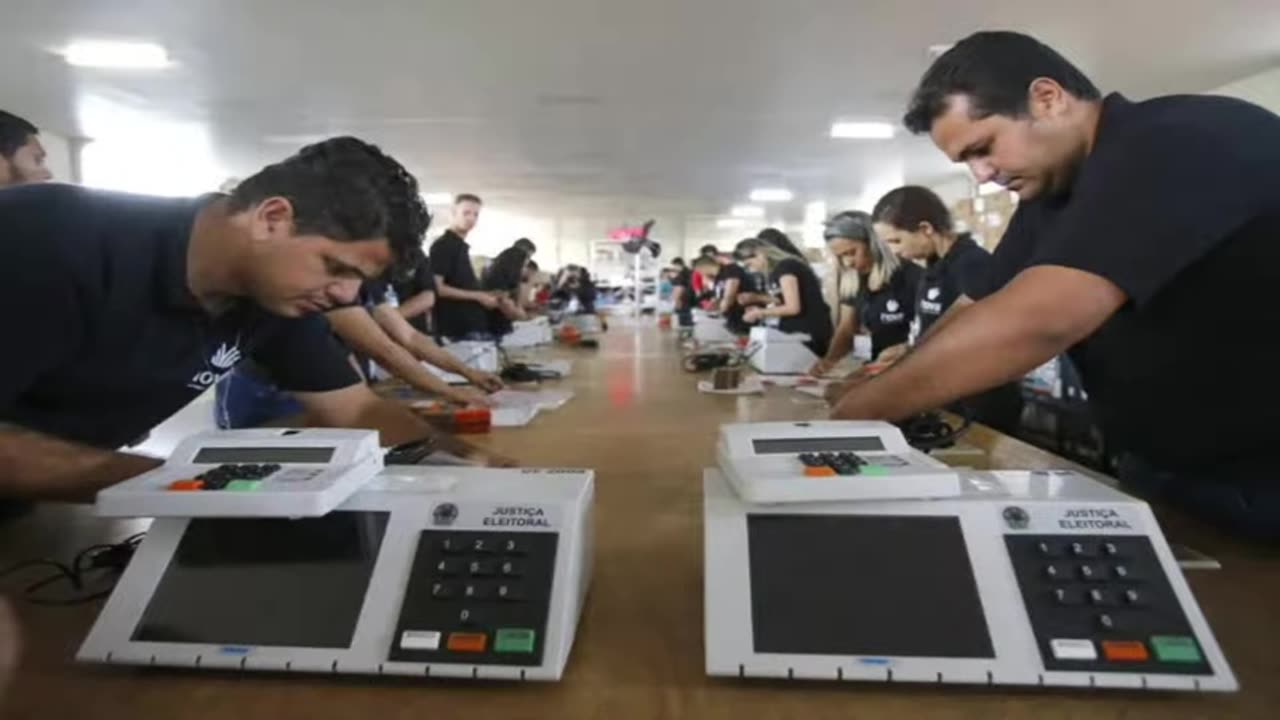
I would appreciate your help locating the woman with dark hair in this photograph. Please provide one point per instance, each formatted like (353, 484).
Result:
(917, 224)
(779, 239)
(880, 297)
(797, 293)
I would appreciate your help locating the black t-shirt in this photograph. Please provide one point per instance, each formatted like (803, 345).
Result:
(962, 271)
(1178, 204)
(731, 271)
(684, 279)
(451, 259)
(105, 339)
(887, 313)
(504, 274)
(815, 315)
(420, 280)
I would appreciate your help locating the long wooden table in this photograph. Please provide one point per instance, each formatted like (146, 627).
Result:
(639, 422)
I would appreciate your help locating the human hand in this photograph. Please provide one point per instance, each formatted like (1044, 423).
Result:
(820, 368)
(752, 315)
(468, 396)
(487, 301)
(486, 381)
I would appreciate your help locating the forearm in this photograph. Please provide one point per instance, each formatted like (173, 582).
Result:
(450, 292)
(358, 407)
(41, 467)
(362, 333)
(416, 305)
(428, 351)
(841, 344)
(998, 344)
(781, 311)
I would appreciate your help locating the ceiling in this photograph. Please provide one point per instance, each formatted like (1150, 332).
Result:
(594, 105)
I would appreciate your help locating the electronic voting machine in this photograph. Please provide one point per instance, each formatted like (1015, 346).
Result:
(265, 472)
(1022, 578)
(441, 571)
(774, 352)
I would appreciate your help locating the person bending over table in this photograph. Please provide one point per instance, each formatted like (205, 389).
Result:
(727, 279)
(883, 301)
(144, 302)
(795, 290)
(1147, 240)
(506, 277)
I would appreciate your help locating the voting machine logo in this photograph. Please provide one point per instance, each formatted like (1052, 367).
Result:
(222, 360)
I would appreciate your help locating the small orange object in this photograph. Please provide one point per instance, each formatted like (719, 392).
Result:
(468, 642)
(664, 321)
(186, 485)
(1125, 650)
(472, 420)
(819, 471)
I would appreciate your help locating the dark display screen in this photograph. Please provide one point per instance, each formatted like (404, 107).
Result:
(264, 455)
(781, 446)
(864, 585)
(266, 581)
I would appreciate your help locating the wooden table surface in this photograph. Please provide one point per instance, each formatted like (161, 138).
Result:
(637, 420)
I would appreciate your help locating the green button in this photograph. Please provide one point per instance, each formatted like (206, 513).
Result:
(874, 470)
(243, 485)
(514, 640)
(1175, 648)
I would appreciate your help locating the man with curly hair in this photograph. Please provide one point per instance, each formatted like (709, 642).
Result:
(145, 302)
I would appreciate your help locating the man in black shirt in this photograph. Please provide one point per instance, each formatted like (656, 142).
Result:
(505, 278)
(682, 294)
(416, 295)
(460, 304)
(729, 280)
(21, 154)
(1146, 243)
(145, 302)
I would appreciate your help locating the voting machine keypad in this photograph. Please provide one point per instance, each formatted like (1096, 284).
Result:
(477, 598)
(831, 464)
(1103, 604)
(247, 476)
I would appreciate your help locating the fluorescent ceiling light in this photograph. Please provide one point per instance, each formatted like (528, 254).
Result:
(437, 198)
(730, 223)
(862, 130)
(771, 195)
(117, 55)
(747, 211)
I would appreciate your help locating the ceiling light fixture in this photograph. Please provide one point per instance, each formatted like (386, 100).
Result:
(116, 55)
(772, 195)
(437, 198)
(862, 130)
(753, 212)
(730, 223)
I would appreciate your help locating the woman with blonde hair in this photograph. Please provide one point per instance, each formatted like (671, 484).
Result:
(881, 299)
(797, 302)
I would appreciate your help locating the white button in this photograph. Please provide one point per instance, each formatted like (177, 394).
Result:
(420, 640)
(1064, 649)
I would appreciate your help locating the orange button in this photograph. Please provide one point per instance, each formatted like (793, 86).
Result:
(186, 485)
(819, 471)
(468, 642)
(1124, 651)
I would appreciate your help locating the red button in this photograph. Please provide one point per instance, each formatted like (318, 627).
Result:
(1124, 651)
(819, 471)
(186, 485)
(468, 642)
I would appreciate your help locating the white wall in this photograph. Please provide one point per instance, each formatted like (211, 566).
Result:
(1262, 89)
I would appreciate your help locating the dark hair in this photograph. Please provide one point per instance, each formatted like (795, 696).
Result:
(14, 133)
(467, 197)
(347, 190)
(526, 245)
(706, 260)
(779, 239)
(678, 262)
(710, 251)
(994, 69)
(532, 266)
(906, 207)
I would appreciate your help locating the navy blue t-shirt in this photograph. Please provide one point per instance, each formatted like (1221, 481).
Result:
(887, 313)
(106, 340)
(1178, 204)
(815, 315)
(961, 272)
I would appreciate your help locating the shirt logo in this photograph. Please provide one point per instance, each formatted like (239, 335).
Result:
(933, 293)
(891, 306)
(223, 359)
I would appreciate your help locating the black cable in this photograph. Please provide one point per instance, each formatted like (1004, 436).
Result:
(928, 431)
(108, 559)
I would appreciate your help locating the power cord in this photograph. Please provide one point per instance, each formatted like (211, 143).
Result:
(928, 431)
(106, 562)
